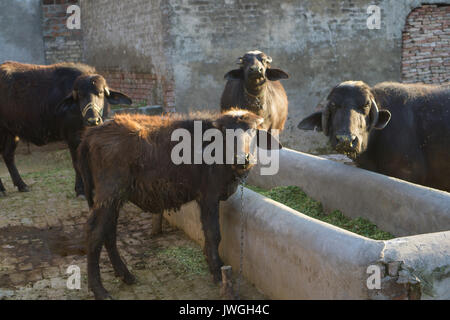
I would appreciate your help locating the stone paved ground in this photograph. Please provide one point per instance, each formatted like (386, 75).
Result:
(41, 234)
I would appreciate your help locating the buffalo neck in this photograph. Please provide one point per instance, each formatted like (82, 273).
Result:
(254, 95)
(68, 124)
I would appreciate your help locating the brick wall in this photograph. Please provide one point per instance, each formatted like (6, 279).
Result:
(60, 43)
(426, 45)
(141, 87)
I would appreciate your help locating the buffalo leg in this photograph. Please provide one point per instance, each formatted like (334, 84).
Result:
(8, 156)
(79, 188)
(120, 269)
(156, 224)
(97, 226)
(2, 145)
(2, 189)
(210, 222)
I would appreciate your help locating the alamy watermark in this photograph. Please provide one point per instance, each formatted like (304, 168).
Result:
(74, 280)
(234, 147)
(374, 280)
(74, 20)
(374, 19)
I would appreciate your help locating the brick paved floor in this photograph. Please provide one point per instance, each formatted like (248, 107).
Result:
(41, 235)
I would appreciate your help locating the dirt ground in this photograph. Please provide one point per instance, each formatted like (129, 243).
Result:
(41, 235)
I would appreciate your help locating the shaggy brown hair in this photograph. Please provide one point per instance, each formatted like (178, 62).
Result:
(129, 159)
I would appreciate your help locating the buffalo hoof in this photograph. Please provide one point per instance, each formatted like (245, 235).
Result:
(24, 188)
(102, 294)
(126, 276)
(217, 277)
(129, 279)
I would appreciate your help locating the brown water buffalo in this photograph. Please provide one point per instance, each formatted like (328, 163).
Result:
(255, 87)
(131, 159)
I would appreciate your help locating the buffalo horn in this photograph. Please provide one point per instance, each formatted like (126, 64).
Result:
(374, 113)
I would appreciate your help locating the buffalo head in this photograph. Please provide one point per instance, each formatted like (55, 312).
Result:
(349, 116)
(255, 69)
(91, 96)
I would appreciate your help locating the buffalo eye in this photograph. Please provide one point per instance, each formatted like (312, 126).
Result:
(366, 107)
(332, 106)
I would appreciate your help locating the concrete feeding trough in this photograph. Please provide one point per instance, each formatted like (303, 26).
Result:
(288, 255)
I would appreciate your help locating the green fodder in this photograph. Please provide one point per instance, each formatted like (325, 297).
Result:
(187, 260)
(296, 199)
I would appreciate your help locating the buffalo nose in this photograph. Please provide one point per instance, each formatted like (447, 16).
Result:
(256, 69)
(94, 121)
(347, 141)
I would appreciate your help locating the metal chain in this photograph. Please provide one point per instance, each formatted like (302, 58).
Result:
(241, 253)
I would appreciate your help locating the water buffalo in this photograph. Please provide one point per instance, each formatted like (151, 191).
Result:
(43, 104)
(131, 159)
(255, 87)
(400, 130)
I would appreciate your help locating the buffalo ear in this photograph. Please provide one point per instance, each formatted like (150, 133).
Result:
(236, 74)
(267, 141)
(115, 97)
(384, 116)
(312, 122)
(67, 103)
(276, 74)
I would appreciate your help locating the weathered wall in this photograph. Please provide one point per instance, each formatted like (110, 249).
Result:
(128, 37)
(20, 31)
(426, 45)
(190, 44)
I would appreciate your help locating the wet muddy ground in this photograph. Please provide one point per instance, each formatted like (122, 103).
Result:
(42, 234)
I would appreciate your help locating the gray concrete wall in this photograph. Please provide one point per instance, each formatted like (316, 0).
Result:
(124, 35)
(396, 206)
(130, 36)
(288, 255)
(21, 32)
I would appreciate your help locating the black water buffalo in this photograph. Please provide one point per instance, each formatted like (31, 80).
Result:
(255, 87)
(400, 130)
(43, 104)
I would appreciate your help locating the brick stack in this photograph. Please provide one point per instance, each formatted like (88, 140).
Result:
(426, 45)
(60, 43)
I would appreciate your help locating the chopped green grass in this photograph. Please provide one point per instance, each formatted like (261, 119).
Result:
(188, 260)
(296, 199)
